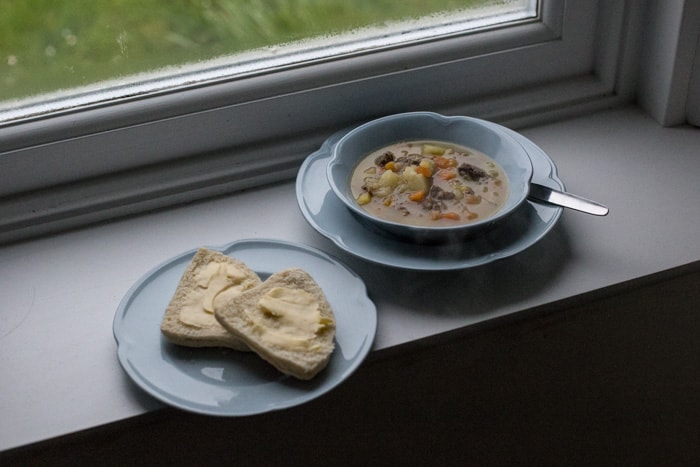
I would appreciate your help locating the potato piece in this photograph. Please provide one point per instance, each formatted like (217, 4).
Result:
(428, 164)
(434, 149)
(416, 181)
(382, 191)
(389, 179)
(364, 198)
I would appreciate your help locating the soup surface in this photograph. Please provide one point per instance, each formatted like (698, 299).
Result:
(429, 183)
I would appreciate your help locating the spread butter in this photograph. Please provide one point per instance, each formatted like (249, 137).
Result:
(289, 317)
(215, 282)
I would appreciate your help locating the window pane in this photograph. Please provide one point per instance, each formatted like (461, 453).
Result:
(48, 45)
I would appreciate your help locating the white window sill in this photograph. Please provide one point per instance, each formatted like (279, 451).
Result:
(58, 356)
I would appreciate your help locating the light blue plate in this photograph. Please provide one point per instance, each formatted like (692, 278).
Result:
(331, 218)
(226, 382)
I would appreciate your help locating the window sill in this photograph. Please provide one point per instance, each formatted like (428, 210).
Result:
(56, 343)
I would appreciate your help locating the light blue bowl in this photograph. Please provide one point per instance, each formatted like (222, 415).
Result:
(465, 131)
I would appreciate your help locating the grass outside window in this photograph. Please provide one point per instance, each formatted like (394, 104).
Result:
(48, 45)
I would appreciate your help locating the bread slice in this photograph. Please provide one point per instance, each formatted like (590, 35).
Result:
(296, 338)
(185, 321)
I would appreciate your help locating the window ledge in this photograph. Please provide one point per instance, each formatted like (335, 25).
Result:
(61, 292)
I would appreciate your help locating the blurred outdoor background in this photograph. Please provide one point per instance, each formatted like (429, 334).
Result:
(46, 45)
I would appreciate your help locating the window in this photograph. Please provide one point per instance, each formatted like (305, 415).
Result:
(218, 135)
(98, 51)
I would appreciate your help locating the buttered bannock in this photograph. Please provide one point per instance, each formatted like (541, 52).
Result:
(287, 320)
(210, 278)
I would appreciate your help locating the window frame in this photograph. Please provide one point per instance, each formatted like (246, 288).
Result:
(197, 141)
(669, 87)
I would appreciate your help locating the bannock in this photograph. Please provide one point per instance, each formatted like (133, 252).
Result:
(210, 277)
(286, 320)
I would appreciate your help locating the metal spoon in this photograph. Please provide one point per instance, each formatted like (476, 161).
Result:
(568, 200)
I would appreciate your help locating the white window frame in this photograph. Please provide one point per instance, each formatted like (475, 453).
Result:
(197, 141)
(669, 86)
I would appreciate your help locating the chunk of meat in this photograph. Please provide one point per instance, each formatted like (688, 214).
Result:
(384, 159)
(438, 193)
(471, 172)
(409, 159)
(434, 200)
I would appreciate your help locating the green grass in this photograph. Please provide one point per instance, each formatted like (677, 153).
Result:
(46, 45)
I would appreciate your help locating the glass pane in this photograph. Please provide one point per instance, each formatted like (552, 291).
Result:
(49, 45)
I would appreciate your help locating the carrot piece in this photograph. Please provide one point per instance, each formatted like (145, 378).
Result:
(425, 171)
(442, 162)
(450, 215)
(417, 196)
(447, 174)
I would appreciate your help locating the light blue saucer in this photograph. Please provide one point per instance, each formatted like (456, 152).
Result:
(331, 218)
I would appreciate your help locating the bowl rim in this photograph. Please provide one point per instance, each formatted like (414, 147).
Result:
(391, 225)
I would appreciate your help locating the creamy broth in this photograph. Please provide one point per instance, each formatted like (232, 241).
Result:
(429, 183)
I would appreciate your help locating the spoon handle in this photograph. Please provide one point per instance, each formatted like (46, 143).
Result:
(567, 200)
